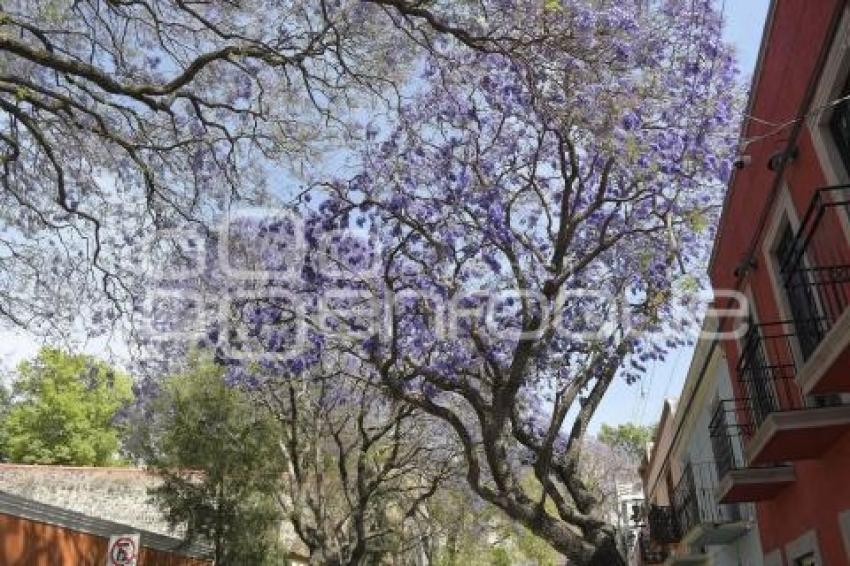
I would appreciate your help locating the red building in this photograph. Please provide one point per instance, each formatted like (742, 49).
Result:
(783, 441)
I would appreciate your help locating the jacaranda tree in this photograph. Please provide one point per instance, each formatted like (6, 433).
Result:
(508, 235)
(361, 472)
(121, 118)
(517, 238)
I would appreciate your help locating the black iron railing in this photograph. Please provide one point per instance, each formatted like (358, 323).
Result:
(695, 500)
(815, 265)
(650, 552)
(663, 525)
(726, 429)
(766, 370)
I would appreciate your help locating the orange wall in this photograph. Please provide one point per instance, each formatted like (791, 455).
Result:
(821, 492)
(793, 45)
(30, 543)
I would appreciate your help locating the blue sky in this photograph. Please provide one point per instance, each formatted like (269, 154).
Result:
(641, 402)
(744, 21)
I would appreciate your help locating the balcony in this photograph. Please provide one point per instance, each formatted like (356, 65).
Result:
(815, 271)
(739, 483)
(683, 557)
(779, 422)
(703, 520)
(663, 527)
(651, 553)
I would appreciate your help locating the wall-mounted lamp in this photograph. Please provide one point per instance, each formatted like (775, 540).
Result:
(780, 157)
(745, 266)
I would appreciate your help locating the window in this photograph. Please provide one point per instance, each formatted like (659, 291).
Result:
(839, 128)
(803, 302)
(831, 130)
(721, 440)
(668, 479)
(757, 374)
(798, 291)
(804, 551)
(844, 521)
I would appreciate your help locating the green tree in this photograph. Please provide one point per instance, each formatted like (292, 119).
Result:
(63, 410)
(221, 466)
(471, 531)
(5, 404)
(630, 438)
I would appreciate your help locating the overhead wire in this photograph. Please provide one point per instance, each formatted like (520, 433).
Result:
(780, 127)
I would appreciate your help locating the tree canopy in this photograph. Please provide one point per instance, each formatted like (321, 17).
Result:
(630, 438)
(517, 240)
(489, 211)
(64, 409)
(219, 459)
(5, 404)
(123, 118)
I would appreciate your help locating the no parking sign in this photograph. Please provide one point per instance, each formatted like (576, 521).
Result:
(123, 550)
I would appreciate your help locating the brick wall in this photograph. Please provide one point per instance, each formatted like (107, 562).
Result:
(114, 494)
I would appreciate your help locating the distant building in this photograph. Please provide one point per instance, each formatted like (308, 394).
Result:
(627, 517)
(685, 521)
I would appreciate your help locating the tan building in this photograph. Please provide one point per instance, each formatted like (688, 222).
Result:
(686, 521)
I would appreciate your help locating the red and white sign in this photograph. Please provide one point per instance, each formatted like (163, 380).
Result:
(123, 550)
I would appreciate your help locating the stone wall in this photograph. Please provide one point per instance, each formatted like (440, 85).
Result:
(114, 494)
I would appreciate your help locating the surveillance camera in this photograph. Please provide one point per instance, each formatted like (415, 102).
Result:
(742, 161)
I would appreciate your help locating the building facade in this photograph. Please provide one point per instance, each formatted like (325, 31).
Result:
(752, 464)
(686, 522)
(780, 434)
(627, 517)
(655, 538)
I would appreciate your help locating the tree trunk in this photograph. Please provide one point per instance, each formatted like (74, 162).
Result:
(607, 553)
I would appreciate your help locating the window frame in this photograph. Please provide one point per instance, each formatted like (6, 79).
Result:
(844, 524)
(834, 78)
(841, 144)
(784, 215)
(806, 544)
